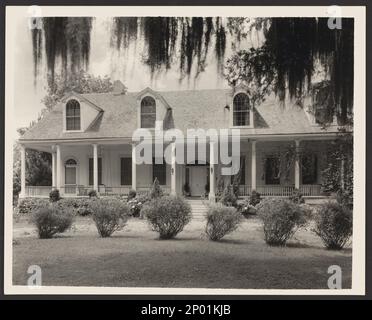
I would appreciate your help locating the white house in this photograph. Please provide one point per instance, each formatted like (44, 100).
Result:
(90, 138)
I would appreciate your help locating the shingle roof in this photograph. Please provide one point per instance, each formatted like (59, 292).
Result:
(189, 109)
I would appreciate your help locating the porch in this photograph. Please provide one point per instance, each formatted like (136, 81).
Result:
(111, 168)
(244, 190)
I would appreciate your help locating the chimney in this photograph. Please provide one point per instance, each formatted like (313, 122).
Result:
(119, 88)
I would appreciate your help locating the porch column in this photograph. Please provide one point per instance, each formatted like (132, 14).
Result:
(54, 164)
(253, 165)
(173, 169)
(212, 174)
(95, 167)
(297, 165)
(59, 168)
(23, 172)
(134, 167)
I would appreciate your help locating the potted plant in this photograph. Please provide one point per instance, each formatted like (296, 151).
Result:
(186, 190)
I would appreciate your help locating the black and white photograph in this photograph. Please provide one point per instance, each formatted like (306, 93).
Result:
(180, 150)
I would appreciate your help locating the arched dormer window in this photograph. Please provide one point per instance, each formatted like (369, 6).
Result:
(241, 110)
(148, 112)
(73, 115)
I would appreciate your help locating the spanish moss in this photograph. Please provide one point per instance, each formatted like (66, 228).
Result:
(36, 49)
(292, 49)
(124, 31)
(67, 40)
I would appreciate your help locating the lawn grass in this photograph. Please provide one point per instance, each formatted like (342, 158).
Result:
(134, 257)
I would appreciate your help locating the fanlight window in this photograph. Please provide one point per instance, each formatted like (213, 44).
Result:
(73, 115)
(71, 162)
(241, 110)
(148, 112)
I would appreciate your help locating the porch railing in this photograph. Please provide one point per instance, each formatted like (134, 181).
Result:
(280, 191)
(37, 191)
(81, 191)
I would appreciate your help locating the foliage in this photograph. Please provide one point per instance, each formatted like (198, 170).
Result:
(281, 218)
(156, 191)
(221, 220)
(80, 82)
(254, 198)
(228, 197)
(338, 176)
(109, 215)
(52, 219)
(220, 187)
(132, 194)
(80, 206)
(54, 195)
(293, 50)
(296, 197)
(167, 215)
(135, 207)
(334, 225)
(29, 205)
(92, 194)
(236, 182)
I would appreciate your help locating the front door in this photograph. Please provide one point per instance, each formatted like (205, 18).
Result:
(198, 180)
(70, 176)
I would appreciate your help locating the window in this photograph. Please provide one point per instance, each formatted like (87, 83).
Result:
(272, 169)
(241, 110)
(125, 171)
(70, 171)
(91, 171)
(309, 164)
(148, 112)
(159, 172)
(73, 115)
(242, 172)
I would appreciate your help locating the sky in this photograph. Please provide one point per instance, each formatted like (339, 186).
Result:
(124, 66)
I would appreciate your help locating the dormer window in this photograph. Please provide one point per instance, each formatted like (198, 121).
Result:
(148, 112)
(241, 110)
(73, 115)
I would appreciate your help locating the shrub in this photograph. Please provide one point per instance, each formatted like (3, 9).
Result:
(296, 197)
(255, 198)
(109, 215)
(155, 191)
(29, 205)
(281, 219)
(54, 195)
(221, 220)
(167, 215)
(92, 194)
(246, 209)
(228, 197)
(80, 206)
(135, 207)
(186, 190)
(334, 225)
(52, 219)
(132, 194)
(345, 198)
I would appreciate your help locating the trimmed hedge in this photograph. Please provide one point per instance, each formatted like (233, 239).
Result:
(52, 219)
(334, 225)
(281, 219)
(109, 215)
(221, 220)
(167, 215)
